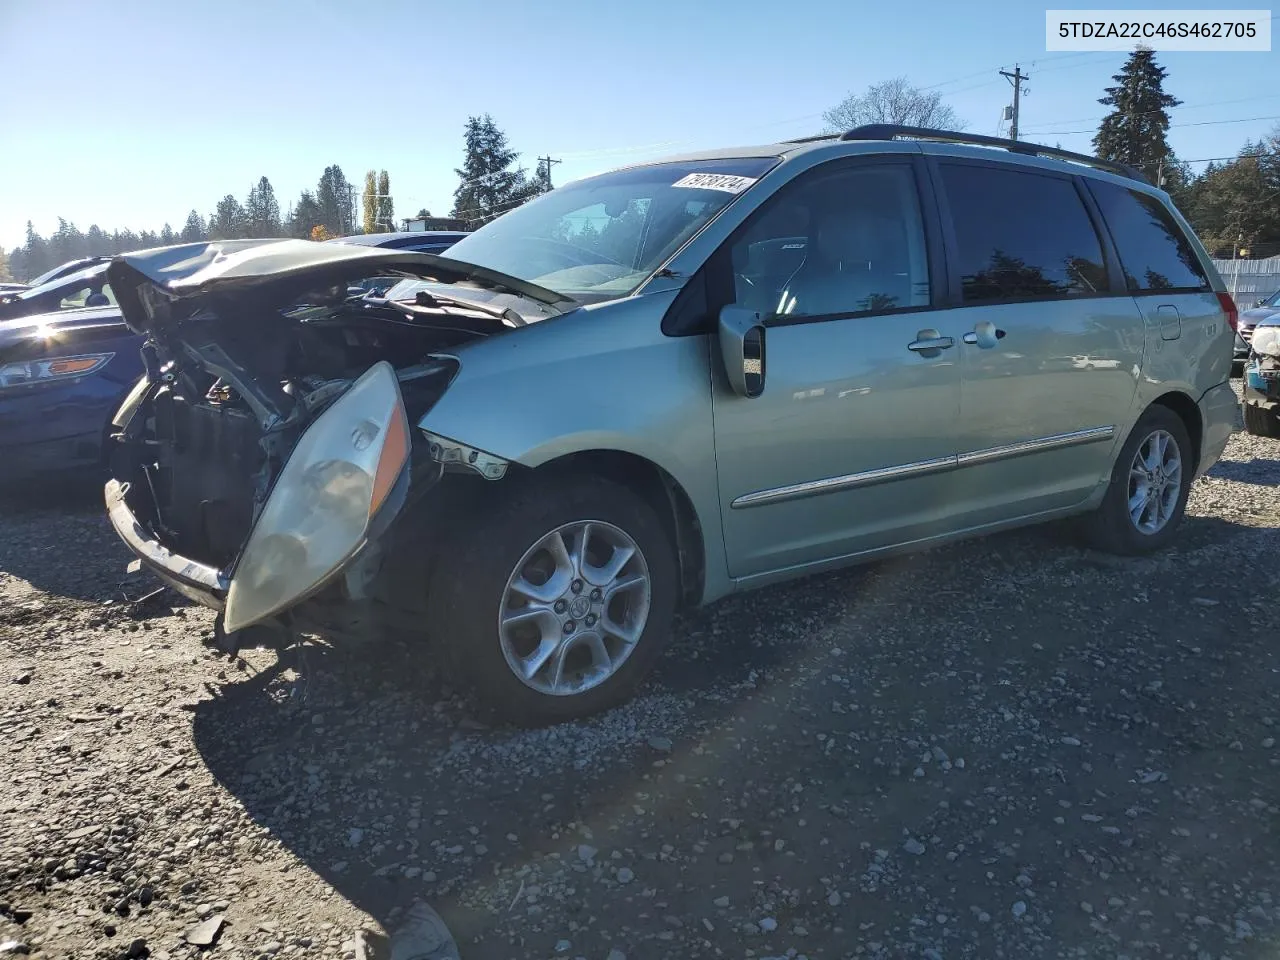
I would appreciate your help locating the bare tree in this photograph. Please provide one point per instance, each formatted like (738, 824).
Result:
(893, 101)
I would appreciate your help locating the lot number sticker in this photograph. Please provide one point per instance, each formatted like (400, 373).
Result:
(715, 181)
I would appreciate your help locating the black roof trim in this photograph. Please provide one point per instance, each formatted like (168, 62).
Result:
(889, 131)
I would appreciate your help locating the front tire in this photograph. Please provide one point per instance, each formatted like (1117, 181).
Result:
(1261, 422)
(557, 603)
(1147, 496)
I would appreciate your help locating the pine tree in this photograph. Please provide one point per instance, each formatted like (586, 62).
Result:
(333, 194)
(262, 211)
(1135, 130)
(369, 202)
(488, 187)
(228, 221)
(194, 229)
(306, 215)
(167, 237)
(5, 275)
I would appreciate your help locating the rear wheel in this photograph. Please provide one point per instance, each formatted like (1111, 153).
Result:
(1261, 422)
(1147, 496)
(556, 605)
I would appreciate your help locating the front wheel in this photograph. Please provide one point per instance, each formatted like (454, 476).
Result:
(555, 605)
(1150, 481)
(1261, 422)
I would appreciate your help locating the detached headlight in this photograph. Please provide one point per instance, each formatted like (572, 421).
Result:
(1266, 341)
(317, 517)
(25, 373)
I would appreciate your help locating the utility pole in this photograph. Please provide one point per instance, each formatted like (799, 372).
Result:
(1016, 79)
(544, 163)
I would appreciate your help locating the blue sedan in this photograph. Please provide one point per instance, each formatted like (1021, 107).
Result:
(62, 377)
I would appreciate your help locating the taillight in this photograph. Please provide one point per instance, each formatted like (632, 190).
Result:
(1229, 308)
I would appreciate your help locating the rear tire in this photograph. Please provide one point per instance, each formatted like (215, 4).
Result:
(1260, 422)
(488, 626)
(1145, 501)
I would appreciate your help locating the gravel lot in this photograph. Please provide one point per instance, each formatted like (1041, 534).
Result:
(1009, 748)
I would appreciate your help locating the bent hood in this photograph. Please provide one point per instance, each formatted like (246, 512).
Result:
(149, 284)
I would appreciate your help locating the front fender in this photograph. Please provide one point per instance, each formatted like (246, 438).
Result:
(602, 378)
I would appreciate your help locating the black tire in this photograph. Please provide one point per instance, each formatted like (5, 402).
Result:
(1261, 422)
(1109, 527)
(471, 575)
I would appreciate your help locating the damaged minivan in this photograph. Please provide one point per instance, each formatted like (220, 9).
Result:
(654, 387)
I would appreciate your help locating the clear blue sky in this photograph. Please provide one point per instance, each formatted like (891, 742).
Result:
(130, 114)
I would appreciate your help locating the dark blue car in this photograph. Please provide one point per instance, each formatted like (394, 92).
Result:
(62, 377)
(67, 361)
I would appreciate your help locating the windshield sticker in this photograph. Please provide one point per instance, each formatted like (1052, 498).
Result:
(715, 181)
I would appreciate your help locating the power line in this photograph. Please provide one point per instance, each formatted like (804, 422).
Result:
(1198, 123)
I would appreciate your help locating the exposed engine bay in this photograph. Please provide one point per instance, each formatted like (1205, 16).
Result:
(237, 382)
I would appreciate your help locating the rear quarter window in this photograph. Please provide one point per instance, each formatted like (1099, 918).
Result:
(1155, 254)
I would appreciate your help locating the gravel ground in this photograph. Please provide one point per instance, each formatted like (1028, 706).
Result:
(1008, 748)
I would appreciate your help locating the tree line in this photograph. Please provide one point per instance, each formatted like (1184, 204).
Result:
(490, 183)
(1234, 204)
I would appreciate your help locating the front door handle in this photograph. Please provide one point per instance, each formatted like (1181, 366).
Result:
(930, 343)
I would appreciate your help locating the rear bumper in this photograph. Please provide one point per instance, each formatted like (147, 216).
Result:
(197, 581)
(1218, 416)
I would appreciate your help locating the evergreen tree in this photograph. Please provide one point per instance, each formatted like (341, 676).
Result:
(97, 242)
(1135, 130)
(262, 211)
(228, 221)
(167, 237)
(488, 188)
(369, 202)
(5, 275)
(36, 260)
(194, 229)
(306, 215)
(386, 209)
(333, 194)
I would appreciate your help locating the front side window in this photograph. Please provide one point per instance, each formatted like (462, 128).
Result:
(601, 238)
(837, 244)
(1021, 235)
(96, 295)
(1153, 251)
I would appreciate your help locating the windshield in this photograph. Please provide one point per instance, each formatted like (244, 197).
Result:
(51, 274)
(600, 238)
(1273, 300)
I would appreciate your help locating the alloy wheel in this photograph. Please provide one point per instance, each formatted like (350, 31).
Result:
(574, 608)
(1155, 482)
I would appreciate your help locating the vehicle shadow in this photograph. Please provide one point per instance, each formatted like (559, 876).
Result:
(1263, 473)
(58, 539)
(362, 762)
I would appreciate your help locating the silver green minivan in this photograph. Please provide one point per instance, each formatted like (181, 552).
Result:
(662, 385)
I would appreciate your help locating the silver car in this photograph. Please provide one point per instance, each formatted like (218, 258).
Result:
(656, 387)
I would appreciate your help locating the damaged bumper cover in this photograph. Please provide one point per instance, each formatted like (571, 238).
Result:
(196, 581)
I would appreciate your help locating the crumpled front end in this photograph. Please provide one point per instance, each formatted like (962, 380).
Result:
(265, 455)
(1262, 371)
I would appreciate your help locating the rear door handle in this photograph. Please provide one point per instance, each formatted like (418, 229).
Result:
(984, 335)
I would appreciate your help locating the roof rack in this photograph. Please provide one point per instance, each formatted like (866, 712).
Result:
(890, 131)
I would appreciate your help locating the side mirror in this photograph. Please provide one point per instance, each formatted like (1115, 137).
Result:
(742, 347)
(1260, 301)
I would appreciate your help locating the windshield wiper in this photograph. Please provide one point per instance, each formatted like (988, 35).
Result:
(429, 300)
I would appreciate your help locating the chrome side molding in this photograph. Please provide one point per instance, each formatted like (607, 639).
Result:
(814, 488)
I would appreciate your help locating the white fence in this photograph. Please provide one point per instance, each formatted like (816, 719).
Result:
(1250, 280)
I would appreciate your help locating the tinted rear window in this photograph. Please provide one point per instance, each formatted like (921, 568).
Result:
(1153, 251)
(1021, 235)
